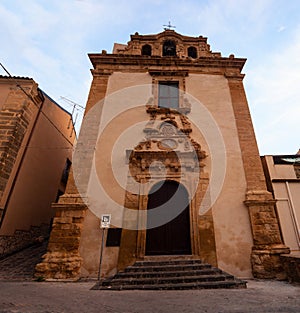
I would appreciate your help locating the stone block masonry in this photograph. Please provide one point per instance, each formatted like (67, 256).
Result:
(268, 244)
(291, 264)
(16, 116)
(62, 260)
(22, 239)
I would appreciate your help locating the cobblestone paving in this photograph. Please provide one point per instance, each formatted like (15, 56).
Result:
(20, 294)
(54, 297)
(58, 297)
(20, 266)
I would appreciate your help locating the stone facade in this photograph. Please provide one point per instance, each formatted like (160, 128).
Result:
(174, 130)
(206, 144)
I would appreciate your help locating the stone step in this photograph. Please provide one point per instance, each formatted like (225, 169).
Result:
(168, 273)
(168, 262)
(168, 256)
(177, 286)
(139, 274)
(20, 266)
(169, 267)
(165, 280)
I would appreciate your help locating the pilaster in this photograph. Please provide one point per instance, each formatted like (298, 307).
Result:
(267, 241)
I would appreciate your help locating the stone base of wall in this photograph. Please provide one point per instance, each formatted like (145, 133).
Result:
(291, 265)
(22, 239)
(59, 265)
(268, 244)
(266, 262)
(62, 260)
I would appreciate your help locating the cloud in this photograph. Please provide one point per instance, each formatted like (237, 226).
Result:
(281, 28)
(49, 41)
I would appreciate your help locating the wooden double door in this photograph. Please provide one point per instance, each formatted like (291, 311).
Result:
(169, 200)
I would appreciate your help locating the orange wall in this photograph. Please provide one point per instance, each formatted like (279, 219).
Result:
(4, 90)
(39, 178)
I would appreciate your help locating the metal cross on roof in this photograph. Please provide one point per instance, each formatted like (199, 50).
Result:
(169, 26)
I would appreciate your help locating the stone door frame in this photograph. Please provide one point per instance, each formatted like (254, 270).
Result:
(142, 220)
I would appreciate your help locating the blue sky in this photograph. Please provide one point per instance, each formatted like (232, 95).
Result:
(49, 41)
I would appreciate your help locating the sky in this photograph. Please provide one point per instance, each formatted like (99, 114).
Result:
(49, 41)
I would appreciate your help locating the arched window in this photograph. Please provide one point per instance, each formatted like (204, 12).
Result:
(192, 52)
(146, 50)
(169, 48)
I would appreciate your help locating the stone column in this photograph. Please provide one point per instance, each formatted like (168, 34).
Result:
(267, 241)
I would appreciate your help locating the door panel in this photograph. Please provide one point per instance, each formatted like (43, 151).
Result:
(174, 236)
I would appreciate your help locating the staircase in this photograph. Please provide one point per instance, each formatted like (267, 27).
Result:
(20, 266)
(170, 274)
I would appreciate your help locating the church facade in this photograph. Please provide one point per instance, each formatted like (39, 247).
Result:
(167, 150)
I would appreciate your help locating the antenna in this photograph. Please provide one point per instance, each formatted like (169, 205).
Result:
(74, 104)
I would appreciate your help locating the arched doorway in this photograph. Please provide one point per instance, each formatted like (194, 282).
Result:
(172, 238)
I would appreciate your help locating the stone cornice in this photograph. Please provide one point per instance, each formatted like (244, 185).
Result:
(115, 61)
(107, 63)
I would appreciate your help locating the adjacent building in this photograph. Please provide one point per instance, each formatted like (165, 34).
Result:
(36, 142)
(283, 177)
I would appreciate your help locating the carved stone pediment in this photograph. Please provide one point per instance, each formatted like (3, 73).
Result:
(167, 146)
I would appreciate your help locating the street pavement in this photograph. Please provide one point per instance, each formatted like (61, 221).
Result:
(20, 294)
(54, 297)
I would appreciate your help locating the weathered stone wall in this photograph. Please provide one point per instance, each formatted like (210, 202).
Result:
(183, 43)
(267, 241)
(291, 265)
(22, 239)
(62, 260)
(15, 117)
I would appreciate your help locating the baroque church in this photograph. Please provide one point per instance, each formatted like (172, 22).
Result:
(167, 150)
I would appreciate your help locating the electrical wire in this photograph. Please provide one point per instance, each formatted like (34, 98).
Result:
(33, 101)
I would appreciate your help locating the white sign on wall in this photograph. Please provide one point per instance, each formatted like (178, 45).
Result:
(105, 220)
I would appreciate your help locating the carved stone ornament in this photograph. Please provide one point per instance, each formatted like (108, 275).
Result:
(167, 144)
